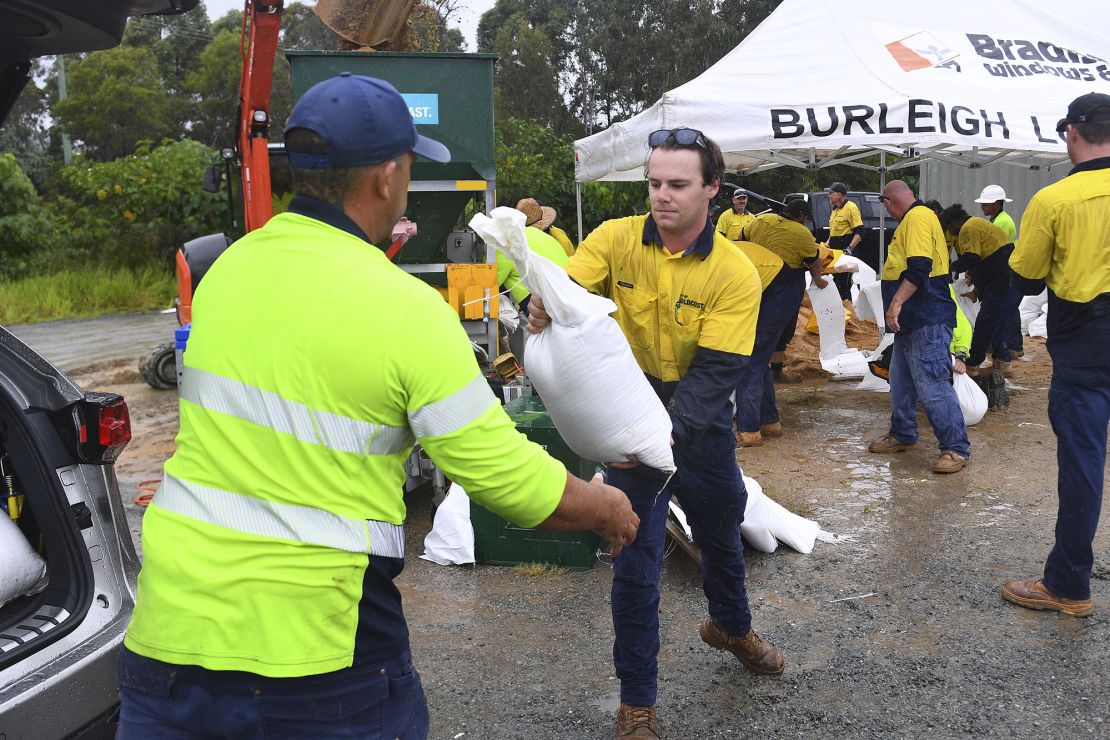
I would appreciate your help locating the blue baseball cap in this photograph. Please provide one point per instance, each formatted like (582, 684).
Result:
(362, 120)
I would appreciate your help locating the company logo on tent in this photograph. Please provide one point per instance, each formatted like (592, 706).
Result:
(923, 50)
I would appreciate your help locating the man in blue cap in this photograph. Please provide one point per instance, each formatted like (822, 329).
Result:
(266, 606)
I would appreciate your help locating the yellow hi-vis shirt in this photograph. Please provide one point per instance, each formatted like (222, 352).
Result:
(979, 236)
(918, 253)
(730, 223)
(1065, 236)
(767, 263)
(785, 237)
(313, 366)
(844, 220)
(670, 304)
(1065, 241)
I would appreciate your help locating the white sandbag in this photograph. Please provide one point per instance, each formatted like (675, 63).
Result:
(22, 570)
(451, 541)
(581, 364)
(849, 364)
(829, 310)
(869, 303)
(1031, 308)
(507, 313)
(796, 532)
(973, 402)
(968, 306)
(756, 527)
(1038, 327)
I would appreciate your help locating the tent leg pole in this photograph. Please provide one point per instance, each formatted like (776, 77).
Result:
(578, 198)
(882, 213)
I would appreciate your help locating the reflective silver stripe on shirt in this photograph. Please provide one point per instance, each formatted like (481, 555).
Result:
(265, 408)
(453, 412)
(282, 521)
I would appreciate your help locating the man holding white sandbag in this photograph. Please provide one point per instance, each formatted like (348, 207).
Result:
(687, 302)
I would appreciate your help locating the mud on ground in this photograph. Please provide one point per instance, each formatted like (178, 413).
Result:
(929, 649)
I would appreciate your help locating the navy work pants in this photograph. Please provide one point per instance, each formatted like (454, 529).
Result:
(711, 492)
(997, 311)
(162, 701)
(755, 393)
(1079, 409)
(920, 370)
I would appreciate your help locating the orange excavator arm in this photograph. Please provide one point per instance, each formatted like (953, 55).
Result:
(259, 42)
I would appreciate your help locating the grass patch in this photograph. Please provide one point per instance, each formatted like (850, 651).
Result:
(84, 293)
(540, 570)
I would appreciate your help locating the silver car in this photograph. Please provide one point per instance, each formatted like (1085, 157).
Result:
(67, 563)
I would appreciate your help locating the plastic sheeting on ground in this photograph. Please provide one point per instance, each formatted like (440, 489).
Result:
(23, 571)
(581, 364)
(451, 541)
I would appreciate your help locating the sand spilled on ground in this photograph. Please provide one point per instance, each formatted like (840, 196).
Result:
(803, 355)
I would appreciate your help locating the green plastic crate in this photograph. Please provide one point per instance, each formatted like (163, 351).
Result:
(498, 541)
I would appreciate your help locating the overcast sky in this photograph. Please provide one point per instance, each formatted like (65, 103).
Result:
(471, 11)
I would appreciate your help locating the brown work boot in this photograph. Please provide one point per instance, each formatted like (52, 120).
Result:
(1034, 595)
(757, 655)
(974, 371)
(1006, 368)
(949, 462)
(749, 439)
(636, 722)
(781, 376)
(890, 443)
(774, 429)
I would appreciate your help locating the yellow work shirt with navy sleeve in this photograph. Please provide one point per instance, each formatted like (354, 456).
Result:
(918, 253)
(1065, 242)
(980, 237)
(507, 275)
(689, 316)
(785, 237)
(766, 263)
(844, 220)
(730, 223)
(313, 366)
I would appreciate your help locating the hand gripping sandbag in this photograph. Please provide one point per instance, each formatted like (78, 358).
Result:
(581, 364)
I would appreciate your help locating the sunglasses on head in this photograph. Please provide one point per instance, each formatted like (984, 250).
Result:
(680, 136)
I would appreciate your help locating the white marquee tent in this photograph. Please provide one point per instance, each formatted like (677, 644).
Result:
(820, 83)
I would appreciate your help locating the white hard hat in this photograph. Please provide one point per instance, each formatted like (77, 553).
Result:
(993, 193)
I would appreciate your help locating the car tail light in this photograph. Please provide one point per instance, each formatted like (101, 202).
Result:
(103, 427)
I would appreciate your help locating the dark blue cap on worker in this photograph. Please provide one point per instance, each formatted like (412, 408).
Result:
(361, 120)
(1090, 108)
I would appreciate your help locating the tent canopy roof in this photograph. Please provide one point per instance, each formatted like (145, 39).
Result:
(821, 83)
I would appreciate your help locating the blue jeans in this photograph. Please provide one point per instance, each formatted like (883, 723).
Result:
(755, 393)
(997, 312)
(920, 368)
(1079, 409)
(161, 701)
(709, 488)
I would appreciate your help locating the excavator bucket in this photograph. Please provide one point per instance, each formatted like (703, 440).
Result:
(368, 24)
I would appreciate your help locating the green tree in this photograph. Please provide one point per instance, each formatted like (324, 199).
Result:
(214, 85)
(139, 209)
(115, 101)
(527, 84)
(25, 134)
(24, 223)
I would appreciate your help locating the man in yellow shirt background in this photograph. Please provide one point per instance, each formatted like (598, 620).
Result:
(845, 232)
(732, 222)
